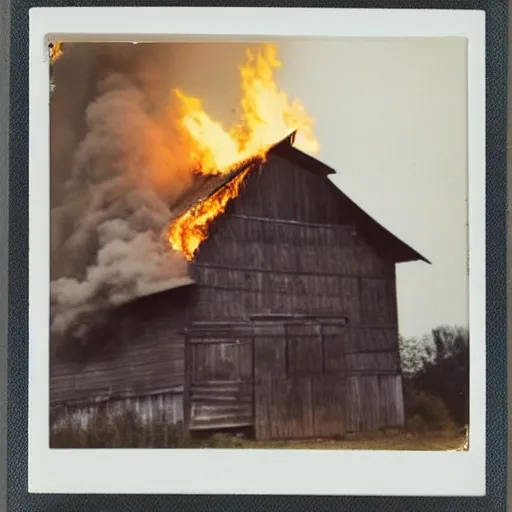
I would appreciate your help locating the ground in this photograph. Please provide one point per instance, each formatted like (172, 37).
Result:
(126, 431)
(390, 440)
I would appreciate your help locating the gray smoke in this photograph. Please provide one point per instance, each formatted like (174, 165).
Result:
(115, 172)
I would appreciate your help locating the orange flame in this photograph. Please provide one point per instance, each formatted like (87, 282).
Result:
(56, 51)
(189, 230)
(268, 116)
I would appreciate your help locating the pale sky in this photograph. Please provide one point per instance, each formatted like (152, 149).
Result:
(391, 118)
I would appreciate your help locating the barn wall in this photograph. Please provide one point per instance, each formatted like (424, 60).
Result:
(284, 252)
(219, 380)
(145, 358)
(287, 245)
(292, 250)
(153, 412)
(150, 409)
(286, 191)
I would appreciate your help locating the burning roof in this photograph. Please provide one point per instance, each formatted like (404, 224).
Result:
(207, 199)
(210, 194)
(205, 185)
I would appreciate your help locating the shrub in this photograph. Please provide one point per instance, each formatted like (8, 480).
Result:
(119, 431)
(222, 441)
(442, 370)
(426, 412)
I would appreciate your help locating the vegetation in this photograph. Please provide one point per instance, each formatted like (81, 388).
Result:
(128, 432)
(436, 393)
(116, 431)
(436, 378)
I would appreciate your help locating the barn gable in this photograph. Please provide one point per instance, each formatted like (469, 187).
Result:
(307, 179)
(385, 242)
(287, 244)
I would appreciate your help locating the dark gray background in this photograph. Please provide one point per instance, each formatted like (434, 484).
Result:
(4, 141)
(509, 258)
(23, 503)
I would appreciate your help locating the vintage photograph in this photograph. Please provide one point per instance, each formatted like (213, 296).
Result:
(259, 245)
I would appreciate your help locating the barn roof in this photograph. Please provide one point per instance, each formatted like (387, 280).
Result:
(159, 286)
(205, 186)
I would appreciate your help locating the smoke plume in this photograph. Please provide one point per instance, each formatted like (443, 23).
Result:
(115, 172)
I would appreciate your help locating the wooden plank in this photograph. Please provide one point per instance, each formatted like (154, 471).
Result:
(254, 220)
(189, 372)
(367, 362)
(221, 387)
(353, 416)
(304, 349)
(370, 403)
(377, 302)
(223, 423)
(268, 327)
(357, 339)
(218, 335)
(269, 355)
(391, 396)
(147, 360)
(329, 405)
(399, 401)
(315, 249)
(214, 406)
(262, 416)
(291, 415)
(334, 349)
(224, 360)
(166, 407)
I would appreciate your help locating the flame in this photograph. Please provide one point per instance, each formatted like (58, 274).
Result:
(56, 51)
(189, 230)
(267, 116)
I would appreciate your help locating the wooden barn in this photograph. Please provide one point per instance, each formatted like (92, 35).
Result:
(287, 326)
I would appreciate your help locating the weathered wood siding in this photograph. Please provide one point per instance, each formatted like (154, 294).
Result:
(154, 412)
(296, 393)
(290, 245)
(255, 265)
(145, 358)
(286, 245)
(374, 401)
(219, 378)
(149, 409)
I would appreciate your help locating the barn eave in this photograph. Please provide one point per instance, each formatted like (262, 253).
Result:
(386, 242)
(173, 284)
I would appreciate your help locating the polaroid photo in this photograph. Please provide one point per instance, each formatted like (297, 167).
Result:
(257, 249)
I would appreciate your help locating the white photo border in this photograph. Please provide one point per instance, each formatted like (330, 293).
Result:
(288, 472)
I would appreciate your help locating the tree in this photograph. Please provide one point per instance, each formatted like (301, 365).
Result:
(415, 353)
(445, 374)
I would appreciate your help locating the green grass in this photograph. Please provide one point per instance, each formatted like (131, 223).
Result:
(385, 440)
(429, 427)
(127, 434)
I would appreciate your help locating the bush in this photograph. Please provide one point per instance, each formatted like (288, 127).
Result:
(426, 412)
(222, 441)
(442, 369)
(120, 431)
(128, 431)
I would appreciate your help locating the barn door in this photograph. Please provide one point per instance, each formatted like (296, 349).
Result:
(294, 395)
(218, 378)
